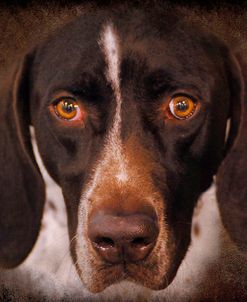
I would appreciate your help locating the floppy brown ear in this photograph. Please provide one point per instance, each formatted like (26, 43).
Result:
(22, 191)
(232, 175)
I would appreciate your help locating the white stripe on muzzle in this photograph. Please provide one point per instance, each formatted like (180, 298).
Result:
(112, 153)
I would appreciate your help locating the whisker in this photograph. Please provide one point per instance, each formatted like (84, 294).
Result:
(72, 239)
(67, 252)
(62, 260)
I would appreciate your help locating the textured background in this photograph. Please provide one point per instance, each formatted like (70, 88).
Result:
(212, 265)
(23, 26)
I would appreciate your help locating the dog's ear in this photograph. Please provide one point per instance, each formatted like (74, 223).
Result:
(232, 175)
(22, 191)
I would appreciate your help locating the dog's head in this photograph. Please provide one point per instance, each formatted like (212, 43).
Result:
(130, 114)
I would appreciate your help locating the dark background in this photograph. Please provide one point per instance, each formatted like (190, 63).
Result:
(24, 24)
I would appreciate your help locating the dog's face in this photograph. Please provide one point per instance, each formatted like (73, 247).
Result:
(126, 155)
(130, 117)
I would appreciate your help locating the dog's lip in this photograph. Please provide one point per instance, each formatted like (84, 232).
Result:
(123, 266)
(122, 269)
(124, 273)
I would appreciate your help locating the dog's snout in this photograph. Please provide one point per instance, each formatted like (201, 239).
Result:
(118, 239)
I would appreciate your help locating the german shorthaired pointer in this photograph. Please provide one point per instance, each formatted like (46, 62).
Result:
(130, 112)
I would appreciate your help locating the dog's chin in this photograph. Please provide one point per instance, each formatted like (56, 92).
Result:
(110, 275)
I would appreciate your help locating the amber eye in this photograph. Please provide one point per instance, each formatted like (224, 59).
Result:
(67, 108)
(182, 107)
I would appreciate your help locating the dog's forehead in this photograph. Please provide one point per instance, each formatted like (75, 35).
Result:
(78, 49)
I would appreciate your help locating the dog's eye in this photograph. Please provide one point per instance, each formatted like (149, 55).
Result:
(182, 107)
(67, 108)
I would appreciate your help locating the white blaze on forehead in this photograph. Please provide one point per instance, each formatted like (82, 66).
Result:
(112, 153)
(111, 48)
(110, 45)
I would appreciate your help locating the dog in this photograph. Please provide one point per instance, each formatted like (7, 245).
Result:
(130, 113)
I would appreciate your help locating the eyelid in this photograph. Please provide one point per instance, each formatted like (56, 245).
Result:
(182, 93)
(194, 99)
(57, 96)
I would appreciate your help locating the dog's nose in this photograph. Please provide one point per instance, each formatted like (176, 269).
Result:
(123, 238)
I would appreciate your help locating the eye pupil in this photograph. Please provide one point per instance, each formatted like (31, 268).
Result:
(68, 107)
(182, 106)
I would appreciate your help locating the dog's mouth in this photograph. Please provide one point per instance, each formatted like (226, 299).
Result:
(143, 274)
(155, 272)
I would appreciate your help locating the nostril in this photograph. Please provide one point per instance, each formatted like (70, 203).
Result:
(107, 249)
(140, 241)
(104, 242)
(139, 248)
